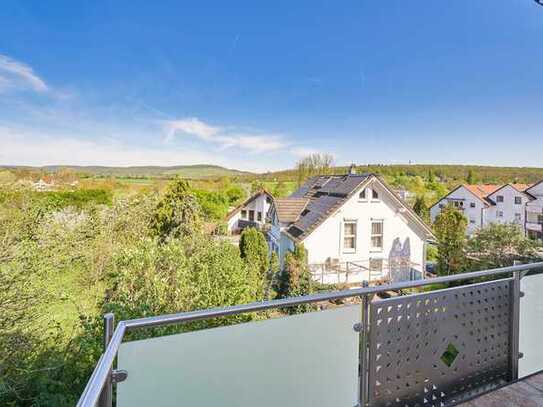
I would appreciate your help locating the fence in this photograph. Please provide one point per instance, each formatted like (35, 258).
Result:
(435, 348)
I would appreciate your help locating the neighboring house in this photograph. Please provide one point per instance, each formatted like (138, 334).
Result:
(485, 204)
(534, 212)
(251, 213)
(354, 228)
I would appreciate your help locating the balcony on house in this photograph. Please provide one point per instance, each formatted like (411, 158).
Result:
(373, 271)
(427, 348)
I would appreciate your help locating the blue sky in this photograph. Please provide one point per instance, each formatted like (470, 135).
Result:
(256, 85)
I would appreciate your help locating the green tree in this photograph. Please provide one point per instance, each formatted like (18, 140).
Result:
(274, 271)
(254, 251)
(314, 164)
(296, 278)
(421, 208)
(500, 245)
(178, 213)
(153, 278)
(256, 186)
(450, 230)
(471, 177)
(431, 178)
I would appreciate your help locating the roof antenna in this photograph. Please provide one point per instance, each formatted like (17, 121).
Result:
(352, 169)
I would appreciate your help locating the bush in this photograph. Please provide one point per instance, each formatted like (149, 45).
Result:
(254, 250)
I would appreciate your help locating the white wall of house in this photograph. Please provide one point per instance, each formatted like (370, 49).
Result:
(327, 240)
(471, 206)
(510, 206)
(254, 211)
(534, 213)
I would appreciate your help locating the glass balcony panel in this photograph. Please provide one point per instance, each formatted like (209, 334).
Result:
(303, 360)
(531, 325)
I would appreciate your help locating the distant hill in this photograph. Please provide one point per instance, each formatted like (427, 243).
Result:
(447, 173)
(185, 171)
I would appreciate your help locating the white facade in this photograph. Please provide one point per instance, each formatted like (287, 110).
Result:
(252, 212)
(504, 204)
(362, 239)
(534, 213)
(472, 206)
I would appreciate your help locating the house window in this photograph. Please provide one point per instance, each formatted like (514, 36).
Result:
(472, 205)
(458, 204)
(499, 214)
(377, 234)
(362, 194)
(441, 206)
(349, 236)
(472, 221)
(268, 200)
(540, 219)
(251, 215)
(376, 265)
(259, 216)
(518, 217)
(374, 194)
(518, 200)
(243, 214)
(499, 198)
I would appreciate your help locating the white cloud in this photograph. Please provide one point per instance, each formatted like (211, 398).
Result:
(16, 74)
(191, 126)
(36, 147)
(31, 147)
(224, 137)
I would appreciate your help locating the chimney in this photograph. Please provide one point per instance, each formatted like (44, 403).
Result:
(352, 169)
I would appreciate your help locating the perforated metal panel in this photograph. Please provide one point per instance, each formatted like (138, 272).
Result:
(409, 338)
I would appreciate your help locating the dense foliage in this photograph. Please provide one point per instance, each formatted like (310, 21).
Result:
(63, 266)
(450, 230)
(499, 245)
(295, 279)
(254, 250)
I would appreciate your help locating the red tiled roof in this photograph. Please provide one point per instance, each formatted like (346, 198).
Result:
(522, 187)
(482, 191)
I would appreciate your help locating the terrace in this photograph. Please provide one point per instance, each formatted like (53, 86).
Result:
(437, 348)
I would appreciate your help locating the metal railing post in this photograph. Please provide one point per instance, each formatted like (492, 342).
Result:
(106, 397)
(515, 324)
(363, 350)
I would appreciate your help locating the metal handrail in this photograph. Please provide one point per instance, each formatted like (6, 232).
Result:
(94, 387)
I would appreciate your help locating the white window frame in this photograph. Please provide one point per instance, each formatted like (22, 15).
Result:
(373, 193)
(518, 216)
(381, 235)
(345, 236)
(500, 199)
(499, 214)
(363, 195)
(517, 199)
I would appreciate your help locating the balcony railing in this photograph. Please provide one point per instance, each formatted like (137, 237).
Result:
(430, 349)
(358, 271)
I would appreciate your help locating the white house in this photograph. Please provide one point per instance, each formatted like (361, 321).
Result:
(251, 213)
(534, 212)
(354, 228)
(484, 204)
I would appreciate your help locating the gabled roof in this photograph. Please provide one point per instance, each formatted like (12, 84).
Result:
(484, 191)
(325, 194)
(533, 186)
(247, 202)
(289, 209)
